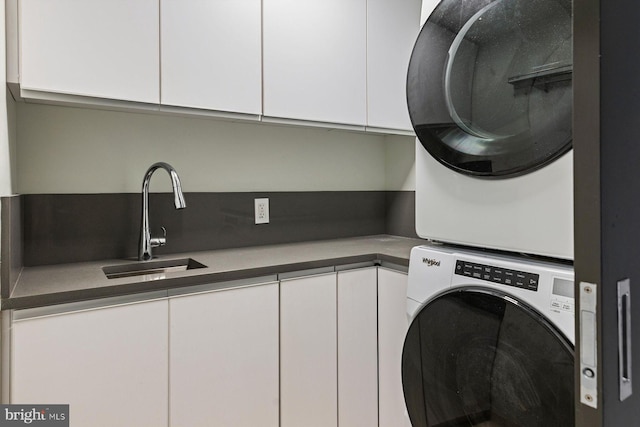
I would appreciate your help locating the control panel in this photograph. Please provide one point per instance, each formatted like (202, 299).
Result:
(504, 276)
(562, 295)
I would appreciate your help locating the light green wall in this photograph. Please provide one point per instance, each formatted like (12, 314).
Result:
(400, 171)
(79, 150)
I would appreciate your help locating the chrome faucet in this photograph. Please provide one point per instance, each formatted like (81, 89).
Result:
(146, 241)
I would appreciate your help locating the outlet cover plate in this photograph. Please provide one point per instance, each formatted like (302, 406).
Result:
(262, 211)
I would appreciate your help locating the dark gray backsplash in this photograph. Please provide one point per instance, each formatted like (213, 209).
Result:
(400, 213)
(11, 245)
(61, 228)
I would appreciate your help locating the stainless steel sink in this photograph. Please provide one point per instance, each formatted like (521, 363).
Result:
(151, 270)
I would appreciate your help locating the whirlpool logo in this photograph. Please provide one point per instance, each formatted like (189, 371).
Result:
(36, 415)
(431, 262)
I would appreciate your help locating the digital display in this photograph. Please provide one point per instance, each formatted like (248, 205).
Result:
(563, 287)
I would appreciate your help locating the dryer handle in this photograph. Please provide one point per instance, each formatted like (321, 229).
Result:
(624, 338)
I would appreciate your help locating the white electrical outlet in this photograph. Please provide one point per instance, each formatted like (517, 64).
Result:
(262, 211)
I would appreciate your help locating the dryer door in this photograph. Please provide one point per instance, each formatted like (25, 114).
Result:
(475, 357)
(489, 85)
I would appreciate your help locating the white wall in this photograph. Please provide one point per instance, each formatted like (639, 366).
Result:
(74, 150)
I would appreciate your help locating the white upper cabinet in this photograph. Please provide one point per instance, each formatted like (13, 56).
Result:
(315, 60)
(336, 62)
(392, 29)
(96, 48)
(212, 55)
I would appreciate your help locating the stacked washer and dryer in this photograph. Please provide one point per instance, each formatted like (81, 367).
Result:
(490, 298)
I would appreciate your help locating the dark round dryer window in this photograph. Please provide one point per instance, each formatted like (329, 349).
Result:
(474, 357)
(489, 85)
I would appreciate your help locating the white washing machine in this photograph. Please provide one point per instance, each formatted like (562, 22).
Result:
(490, 340)
(490, 98)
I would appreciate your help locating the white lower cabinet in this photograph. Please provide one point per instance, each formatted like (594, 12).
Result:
(322, 350)
(308, 349)
(109, 364)
(392, 328)
(357, 348)
(325, 315)
(224, 358)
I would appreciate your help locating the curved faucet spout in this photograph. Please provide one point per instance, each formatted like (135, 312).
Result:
(146, 241)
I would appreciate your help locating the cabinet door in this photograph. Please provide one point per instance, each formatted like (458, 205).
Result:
(357, 348)
(392, 328)
(315, 60)
(99, 48)
(109, 364)
(392, 29)
(211, 54)
(308, 349)
(224, 358)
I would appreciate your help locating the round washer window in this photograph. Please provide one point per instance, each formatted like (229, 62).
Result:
(475, 357)
(489, 85)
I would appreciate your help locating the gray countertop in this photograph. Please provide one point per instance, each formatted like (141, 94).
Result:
(57, 284)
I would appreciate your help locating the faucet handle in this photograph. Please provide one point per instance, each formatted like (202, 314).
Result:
(159, 241)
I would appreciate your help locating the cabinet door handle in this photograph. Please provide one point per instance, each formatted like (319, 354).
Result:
(624, 338)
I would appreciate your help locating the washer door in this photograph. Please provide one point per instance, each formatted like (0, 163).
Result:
(475, 357)
(489, 85)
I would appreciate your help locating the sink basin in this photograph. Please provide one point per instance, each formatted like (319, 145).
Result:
(151, 270)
